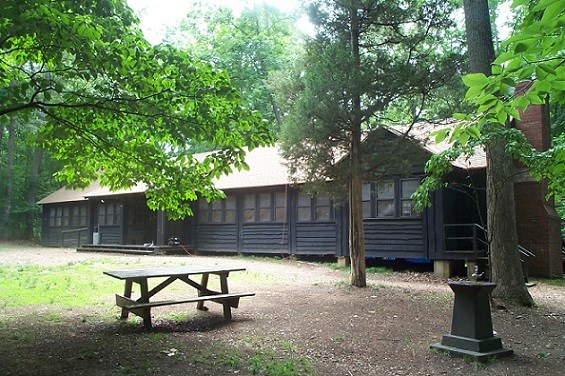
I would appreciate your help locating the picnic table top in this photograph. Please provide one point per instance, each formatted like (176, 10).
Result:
(168, 271)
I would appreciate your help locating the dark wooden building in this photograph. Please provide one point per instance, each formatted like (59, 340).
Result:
(264, 213)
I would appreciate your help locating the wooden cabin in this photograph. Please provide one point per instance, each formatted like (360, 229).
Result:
(264, 213)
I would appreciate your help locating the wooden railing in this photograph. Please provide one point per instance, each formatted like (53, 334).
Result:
(78, 232)
(466, 238)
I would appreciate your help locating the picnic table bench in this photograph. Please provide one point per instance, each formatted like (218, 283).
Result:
(142, 306)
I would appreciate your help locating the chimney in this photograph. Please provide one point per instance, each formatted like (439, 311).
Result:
(538, 224)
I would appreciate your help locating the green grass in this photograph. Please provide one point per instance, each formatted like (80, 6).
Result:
(71, 285)
(267, 364)
(83, 284)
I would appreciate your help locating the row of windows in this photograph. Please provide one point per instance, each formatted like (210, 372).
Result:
(108, 215)
(384, 199)
(265, 207)
(66, 216)
(259, 207)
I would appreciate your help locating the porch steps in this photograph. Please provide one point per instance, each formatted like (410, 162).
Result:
(117, 248)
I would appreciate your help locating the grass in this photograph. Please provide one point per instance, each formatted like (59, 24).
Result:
(72, 285)
(268, 364)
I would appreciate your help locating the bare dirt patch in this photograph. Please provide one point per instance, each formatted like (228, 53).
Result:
(304, 316)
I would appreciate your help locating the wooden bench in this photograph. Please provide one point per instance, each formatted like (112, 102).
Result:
(142, 306)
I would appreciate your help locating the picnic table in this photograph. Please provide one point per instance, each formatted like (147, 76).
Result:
(142, 305)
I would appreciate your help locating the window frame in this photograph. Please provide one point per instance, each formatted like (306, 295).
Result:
(108, 217)
(398, 200)
(314, 205)
(216, 213)
(259, 201)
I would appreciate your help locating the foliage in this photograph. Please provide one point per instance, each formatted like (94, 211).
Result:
(400, 69)
(261, 41)
(533, 52)
(25, 131)
(367, 57)
(117, 108)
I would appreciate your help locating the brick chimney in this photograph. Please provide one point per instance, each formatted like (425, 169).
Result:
(538, 224)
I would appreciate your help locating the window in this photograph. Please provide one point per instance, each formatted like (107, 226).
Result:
(408, 187)
(314, 208)
(280, 207)
(229, 209)
(79, 215)
(366, 197)
(304, 207)
(249, 208)
(389, 198)
(66, 216)
(323, 209)
(265, 207)
(203, 212)
(385, 199)
(217, 212)
(108, 214)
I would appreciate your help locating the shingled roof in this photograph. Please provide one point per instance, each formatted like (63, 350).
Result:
(267, 168)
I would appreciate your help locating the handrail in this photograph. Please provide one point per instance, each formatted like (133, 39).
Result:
(78, 230)
(476, 239)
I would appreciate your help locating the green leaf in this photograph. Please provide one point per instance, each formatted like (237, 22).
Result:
(440, 135)
(463, 138)
(552, 11)
(473, 92)
(521, 47)
(475, 79)
(501, 117)
(559, 85)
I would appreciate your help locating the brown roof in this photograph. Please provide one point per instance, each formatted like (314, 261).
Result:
(69, 195)
(267, 168)
(93, 190)
(421, 133)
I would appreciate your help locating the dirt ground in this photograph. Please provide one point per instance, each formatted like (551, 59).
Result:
(303, 311)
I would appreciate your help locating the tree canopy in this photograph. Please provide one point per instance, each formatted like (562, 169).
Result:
(116, 108)
(533, 52)
(367, 58)
(251, 47)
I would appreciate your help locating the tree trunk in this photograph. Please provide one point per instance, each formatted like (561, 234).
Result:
(358, 275)
(505, 261)
(32, 193)
(501, 213)
(5, 225)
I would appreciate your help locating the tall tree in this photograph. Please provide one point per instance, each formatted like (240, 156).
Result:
(367, 57)
(251, 46)
(534, 52)
(31, 194)
(5, 224)
(117, 108)
(505, 262)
